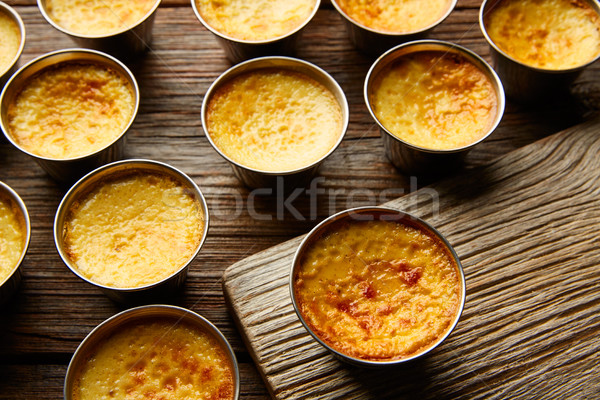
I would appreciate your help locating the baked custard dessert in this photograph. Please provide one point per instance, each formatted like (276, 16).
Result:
(156, 359)
(377, 290)
(98, 17)
(393, 16)
(12, 236)
(133, 229)
(434, 99)
(10, 41)
(71, 110)
(255, 20)
(546, 34)
(274, 120)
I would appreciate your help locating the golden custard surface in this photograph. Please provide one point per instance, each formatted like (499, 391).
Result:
(547, 34)
(71, 110)
(378, 290)
(274, 120)
(134, 230)
(156, 359)
(98, 17)
(395, 16)
(10, 41)
(12, 236)
(257, 19)
(434, 100)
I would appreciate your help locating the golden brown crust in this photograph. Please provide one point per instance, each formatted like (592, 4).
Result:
(255, 20)
(71, 110)
(395, 16)
(98, 17)
(435, 100)
(156, 358)
(12, 235)
(132, 229)
(377, 290)
(274, 119)
(11, 41)
(546, 34)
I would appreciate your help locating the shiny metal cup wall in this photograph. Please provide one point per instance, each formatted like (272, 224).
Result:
(366, 214)
(70, 169)
(414, 159)
(158, 290)
(238, 50)
(125, 44)
(266, 179)
(5, 75)
(159, 311)
(524, 83)
(11, 283)
(373, 42)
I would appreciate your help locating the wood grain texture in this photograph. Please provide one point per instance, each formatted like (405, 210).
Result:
(526, 229)
(53, 311)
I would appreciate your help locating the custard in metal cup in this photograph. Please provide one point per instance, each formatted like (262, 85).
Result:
(250, 29)
(375, 28)
(15, 232)
(179, 354)
(12, 32)
(433, 102)
(122, 28)
(275, 119)
(70, 110)
(540, 47)
(376, 286)
(132, 228)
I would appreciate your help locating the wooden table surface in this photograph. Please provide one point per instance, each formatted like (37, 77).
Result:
(53, 311)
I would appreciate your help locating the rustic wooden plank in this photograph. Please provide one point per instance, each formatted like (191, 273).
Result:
(526, 230)
(53, 310)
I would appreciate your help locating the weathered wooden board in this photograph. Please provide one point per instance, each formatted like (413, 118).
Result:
(527, 229)
(54, 310)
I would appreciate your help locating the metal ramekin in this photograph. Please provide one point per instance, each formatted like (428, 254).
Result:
(8, 10)
(150, 292)
(237, 50)
(125, 44)
(410, 158)
(368, 214)
(10, 284)
(525, 83)
(295, 178)
(373, 42)
(114, 323)
(69, 169)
